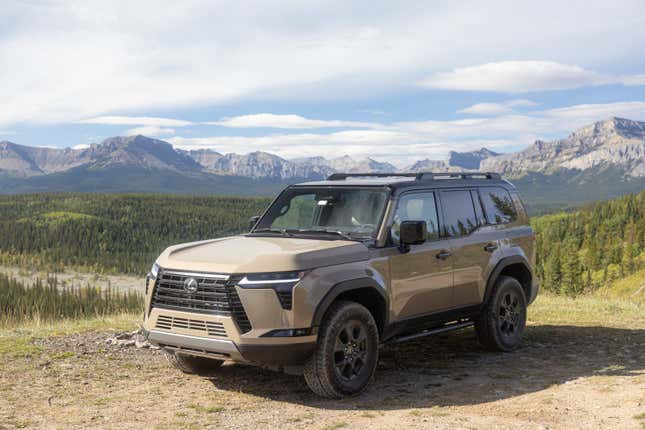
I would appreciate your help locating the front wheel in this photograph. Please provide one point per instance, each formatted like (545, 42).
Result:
(347, 352)
(501, 324)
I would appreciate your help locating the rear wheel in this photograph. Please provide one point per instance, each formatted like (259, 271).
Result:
(347, 352)
(501, 325)
(192, 364)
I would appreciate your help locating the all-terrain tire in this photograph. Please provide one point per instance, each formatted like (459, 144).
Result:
(192, 364)
(501, 324)
(346, 355)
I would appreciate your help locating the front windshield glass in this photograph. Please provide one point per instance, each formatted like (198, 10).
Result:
(355, 212)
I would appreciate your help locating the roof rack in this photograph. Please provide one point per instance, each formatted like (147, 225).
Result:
(342, 176)
(421, 176)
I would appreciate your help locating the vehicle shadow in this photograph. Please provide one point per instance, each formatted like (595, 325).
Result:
(453, 369)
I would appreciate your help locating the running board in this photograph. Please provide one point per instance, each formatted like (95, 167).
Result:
(430, 332)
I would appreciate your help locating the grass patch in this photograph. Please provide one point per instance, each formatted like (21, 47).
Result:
(588, 310)
(631, 288)
(18, 342)
(20, 346)
(334, 426)
(206, 409)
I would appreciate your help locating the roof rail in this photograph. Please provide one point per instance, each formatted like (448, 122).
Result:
(458, 175)
(342, 176)
(421, 176)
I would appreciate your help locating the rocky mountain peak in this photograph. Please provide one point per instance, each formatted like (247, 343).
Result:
(470, 160)
(613, 143)
(612, 127)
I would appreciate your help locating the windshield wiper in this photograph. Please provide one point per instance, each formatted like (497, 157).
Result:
(344, 235)
(282, 231)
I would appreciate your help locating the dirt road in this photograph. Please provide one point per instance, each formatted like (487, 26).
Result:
(563, 377)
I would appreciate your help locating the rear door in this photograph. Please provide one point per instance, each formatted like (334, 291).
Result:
(421, 283)
(472, 243)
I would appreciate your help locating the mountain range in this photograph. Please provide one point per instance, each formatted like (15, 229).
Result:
(601, 160)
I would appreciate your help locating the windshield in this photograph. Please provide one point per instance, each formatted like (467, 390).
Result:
(350, 212)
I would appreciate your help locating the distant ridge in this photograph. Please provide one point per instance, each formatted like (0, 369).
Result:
(601, 160)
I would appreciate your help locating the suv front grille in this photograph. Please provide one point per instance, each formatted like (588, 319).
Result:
(214, 294)
(166, 322)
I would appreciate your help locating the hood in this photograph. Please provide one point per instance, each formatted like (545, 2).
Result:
(246, 254)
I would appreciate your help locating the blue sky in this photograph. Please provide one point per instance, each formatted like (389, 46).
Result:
(394, 81)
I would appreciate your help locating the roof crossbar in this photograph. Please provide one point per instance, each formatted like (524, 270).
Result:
(421, 176)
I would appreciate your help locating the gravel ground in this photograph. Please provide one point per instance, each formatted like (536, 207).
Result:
(562, 377)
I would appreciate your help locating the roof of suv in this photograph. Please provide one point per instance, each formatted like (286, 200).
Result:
(412, 180)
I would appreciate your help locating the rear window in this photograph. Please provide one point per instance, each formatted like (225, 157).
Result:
(498, 205)
(459, 213)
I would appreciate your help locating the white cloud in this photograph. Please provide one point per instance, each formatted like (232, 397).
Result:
(136, 120)
(486, 109)
(523, 76)
(408, 141)
(520, 103)
(150, 130)
(81, 146)
(68, 60)
(496, 108)
(269, 120)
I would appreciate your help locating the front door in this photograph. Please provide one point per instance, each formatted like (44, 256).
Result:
(421, 282)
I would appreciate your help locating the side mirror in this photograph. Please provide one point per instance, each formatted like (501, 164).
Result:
(253, 220)
(412, 233)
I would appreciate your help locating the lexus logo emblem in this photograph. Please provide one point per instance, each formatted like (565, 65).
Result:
(191, 285)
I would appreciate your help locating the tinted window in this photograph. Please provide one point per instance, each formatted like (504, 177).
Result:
(416, 207)
(459, 212)
(498, 205)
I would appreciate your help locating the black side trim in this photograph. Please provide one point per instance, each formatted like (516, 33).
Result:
(338, 289)
(428, 321)
(501, 265)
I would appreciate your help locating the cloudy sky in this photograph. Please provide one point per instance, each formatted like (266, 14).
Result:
(397, 81)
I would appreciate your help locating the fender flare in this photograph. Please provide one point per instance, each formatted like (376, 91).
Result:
(501, 265)
(343, 287)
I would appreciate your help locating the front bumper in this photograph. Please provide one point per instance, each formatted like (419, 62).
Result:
(260, 353)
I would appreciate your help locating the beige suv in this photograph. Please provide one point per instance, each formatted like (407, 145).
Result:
(334, 268)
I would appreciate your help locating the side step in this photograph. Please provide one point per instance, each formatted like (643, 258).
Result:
(448, 327)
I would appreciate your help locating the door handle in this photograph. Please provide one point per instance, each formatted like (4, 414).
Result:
(442, 255)
(490, 247)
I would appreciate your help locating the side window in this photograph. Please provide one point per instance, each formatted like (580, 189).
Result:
(416, 207)
(459, 212)
(498, 205)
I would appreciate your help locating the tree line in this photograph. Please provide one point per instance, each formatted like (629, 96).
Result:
(576, 251)
(584, 250)
(109, 233)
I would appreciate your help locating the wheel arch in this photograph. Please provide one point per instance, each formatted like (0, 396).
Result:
(516, 267)
(364, 291)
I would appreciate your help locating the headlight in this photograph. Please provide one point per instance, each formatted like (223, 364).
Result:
(152, 276)
(278, 281)
(154, 271)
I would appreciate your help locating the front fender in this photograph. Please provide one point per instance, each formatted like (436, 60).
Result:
(313, 295)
